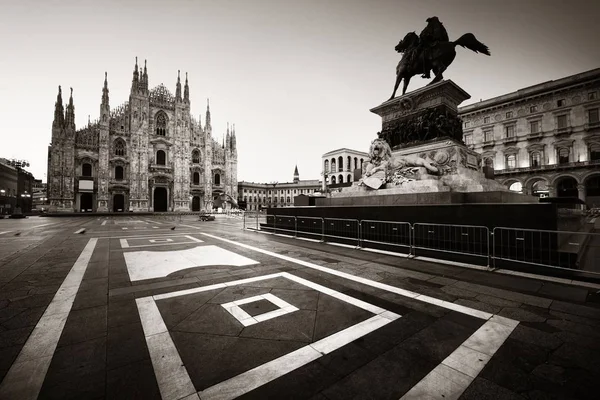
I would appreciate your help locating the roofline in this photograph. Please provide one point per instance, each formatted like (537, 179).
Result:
(534, 90)
(344, 149)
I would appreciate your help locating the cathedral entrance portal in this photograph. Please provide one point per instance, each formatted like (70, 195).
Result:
(118, 203)
(196, 203)
(87, 201)
(160, 199)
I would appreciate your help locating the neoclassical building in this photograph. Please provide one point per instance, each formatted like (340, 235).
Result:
(339, 165)
(255, 196)
(544, 139)
(149, 154)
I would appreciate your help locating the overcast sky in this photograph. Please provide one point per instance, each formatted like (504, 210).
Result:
(297, 77)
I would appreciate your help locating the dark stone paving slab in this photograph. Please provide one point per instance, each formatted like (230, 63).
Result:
(132, 381)
(482, 389)
(126, 344)
(84, 325)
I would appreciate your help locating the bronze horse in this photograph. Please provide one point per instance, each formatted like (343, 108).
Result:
(440, 57)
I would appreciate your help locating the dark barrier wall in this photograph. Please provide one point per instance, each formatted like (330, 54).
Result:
(529, 216)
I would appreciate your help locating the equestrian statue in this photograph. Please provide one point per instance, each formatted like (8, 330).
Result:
(430, 51)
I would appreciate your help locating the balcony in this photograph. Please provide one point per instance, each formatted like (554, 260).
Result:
(535, 135)
(567, 130)
(166, 169)
(488, 143)
(551, 167)
(592, 126)
(512, 139)
(118, 182)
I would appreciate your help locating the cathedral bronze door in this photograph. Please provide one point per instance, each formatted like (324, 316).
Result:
(160, 199)
(196, 203)
(118, 203)
(87, 201)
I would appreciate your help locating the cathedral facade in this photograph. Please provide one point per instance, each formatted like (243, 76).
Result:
(149, 154)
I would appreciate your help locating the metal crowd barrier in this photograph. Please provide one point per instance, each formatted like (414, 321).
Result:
(467, 240)
(386, 233)
(513, 248)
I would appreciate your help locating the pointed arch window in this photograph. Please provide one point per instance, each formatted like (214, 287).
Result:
(333, 169)
(161, 124)
(340, 164)
(326, 166)
(217, 179)
(196, 157)
(196, 178)
(119, 148)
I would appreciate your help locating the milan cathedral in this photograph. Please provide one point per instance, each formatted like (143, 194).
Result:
(149, 154)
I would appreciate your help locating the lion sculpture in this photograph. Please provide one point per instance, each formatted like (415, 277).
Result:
(383, 167)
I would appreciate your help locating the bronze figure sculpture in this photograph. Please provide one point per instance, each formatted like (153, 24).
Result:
(430, 51)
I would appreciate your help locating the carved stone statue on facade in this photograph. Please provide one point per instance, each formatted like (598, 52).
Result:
(432, 50)
(383, 168)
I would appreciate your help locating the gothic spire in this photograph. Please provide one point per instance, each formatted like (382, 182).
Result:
(228, 138)
(296, 174)
(70, 113)
(136, 78)
(208, 127)
(105, 90)
(233, 140)
(186, 90)
(200, 121)
(178, 89)
(59, 117)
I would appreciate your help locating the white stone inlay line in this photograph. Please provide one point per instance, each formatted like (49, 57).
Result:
(167, 362)
(452, 377)
(171, 375)
(2, 233)
(104, 222)
(156, 264)
(80, 230)
(246, 319)
(158, 241)
(26, 376)
(163, 240)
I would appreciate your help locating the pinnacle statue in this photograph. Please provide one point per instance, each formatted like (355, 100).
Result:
(432, 50)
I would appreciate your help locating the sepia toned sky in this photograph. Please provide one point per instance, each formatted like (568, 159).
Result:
(297, 77)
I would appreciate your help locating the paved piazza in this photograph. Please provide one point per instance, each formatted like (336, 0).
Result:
(146, 308)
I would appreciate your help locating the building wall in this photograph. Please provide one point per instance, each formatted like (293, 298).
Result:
(544, 139)
(133, 137)
(8, 188)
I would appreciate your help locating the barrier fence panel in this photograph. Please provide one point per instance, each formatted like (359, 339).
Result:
(386, 233)
(254, 220)
(456, 239)
(553, 249)
(311, 227)
(284, 224)
(344, 230)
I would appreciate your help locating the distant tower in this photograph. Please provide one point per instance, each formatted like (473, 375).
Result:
(296, 175)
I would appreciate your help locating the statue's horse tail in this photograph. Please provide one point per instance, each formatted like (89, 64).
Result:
(469, 41)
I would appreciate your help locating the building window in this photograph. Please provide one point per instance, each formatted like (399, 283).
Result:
(161, 158)
(333, 165)
(341, 179)
(349, 178)
(333, 180)
(592, 96)
(488, 136)
(217, 179)
(511, 161)
(561, 121)
(563, 156)
(86, 169)
(509, 114)
(533, 109)
(119, 173)
(196, 157)
(510, 131)
(595, 152)
(486, 120)
(560, 103)
(119, 148)
(535, 159)
(489, 162)
(340, 164)
(161, 124)
(349, 165)
(326, 166)
(355, 163)
(593, 116)
(468, 139)
(534, 126)
(196, 178)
